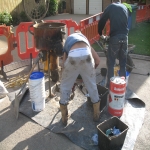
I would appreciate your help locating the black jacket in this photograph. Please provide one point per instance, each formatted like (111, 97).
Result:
(117, 13)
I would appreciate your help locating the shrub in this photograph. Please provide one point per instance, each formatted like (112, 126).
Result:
(59, 7)
(5, 18)
(41, 10)
(53, 8)
(23, 17)
(17, 18)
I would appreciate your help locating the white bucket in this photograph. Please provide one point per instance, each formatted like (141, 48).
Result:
(37, 91)
(127, 77)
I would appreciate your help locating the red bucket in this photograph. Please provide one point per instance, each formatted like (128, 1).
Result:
(117, 91)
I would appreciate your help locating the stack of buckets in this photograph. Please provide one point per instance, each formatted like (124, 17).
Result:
(116, 97)
(37, 91)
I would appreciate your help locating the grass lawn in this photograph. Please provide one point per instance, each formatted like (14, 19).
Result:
(139, 36)
(96, 47)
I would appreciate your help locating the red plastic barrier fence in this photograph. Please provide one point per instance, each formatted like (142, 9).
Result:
(107, 26)
(89, 27)
(7, 58)
(23, 38)
(141, 13)
(148, 12)
(23, 28)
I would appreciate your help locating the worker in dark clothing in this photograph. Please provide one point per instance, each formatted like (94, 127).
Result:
(117, 14)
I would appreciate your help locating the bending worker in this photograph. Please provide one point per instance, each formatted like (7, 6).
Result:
(117, 14)
(79, 58)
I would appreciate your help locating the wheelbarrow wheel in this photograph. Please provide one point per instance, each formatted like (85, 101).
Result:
(54, 75)
(35, 9)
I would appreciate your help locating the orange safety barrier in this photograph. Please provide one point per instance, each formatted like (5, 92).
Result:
(7, 58)
(141, 13)
(107, 26)
(89, 27)
(148, 12)
(23, 28)
(23, 37)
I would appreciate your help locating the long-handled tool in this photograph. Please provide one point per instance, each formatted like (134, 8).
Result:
(19, 96)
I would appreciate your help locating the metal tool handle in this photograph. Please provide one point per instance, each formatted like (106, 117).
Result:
(62, 32)
(35, 22)
(30, 30)
(40, 55)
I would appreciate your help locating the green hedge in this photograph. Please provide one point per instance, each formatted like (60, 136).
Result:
(5, 18)
(53, 8)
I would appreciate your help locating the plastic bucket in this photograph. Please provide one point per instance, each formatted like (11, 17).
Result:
(127, 77)
(37, 91)
(116, 96)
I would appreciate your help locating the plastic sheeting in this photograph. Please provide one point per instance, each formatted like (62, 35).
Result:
(81, 128)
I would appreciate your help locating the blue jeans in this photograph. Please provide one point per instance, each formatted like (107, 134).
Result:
(117, 49)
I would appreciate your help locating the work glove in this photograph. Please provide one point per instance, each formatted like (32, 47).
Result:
(103, 37)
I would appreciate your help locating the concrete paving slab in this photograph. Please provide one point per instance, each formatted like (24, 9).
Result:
(74, 17)
(24, 134)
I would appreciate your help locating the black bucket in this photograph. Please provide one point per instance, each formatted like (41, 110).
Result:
(103, 92)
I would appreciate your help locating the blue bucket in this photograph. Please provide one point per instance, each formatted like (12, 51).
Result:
(127, 73)
(36, 75)
(129, 22)
(127, 77)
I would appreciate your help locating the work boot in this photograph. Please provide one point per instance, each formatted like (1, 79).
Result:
(64, 113)
(96, 107)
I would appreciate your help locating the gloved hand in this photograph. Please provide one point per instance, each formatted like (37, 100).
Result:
(103, 37)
